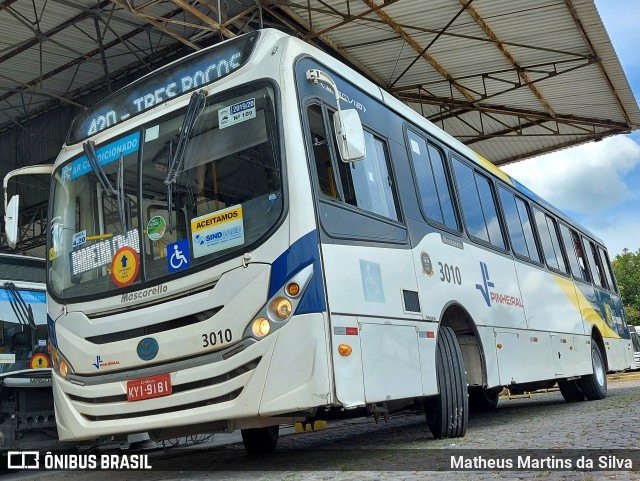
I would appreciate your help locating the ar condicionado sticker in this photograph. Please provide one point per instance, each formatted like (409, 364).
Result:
(125, 266)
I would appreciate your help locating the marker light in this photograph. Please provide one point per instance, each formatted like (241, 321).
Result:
(293, 289)
(64, 369)
(281, 307)
(344, 349)
(261, 327)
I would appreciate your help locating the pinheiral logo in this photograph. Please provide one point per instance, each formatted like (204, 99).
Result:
(490, 295)
(147, 348)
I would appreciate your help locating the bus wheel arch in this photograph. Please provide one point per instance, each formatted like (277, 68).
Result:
(458, 318)
(594, 385)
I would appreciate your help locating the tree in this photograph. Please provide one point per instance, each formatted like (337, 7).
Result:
(626, 267)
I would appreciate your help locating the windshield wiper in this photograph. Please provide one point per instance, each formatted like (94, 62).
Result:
(21, 309)
(194, 109)
(90, 151)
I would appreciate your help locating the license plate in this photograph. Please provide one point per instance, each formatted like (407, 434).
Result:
(149, 387)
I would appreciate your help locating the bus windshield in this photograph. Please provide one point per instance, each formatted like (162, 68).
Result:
(130, 221)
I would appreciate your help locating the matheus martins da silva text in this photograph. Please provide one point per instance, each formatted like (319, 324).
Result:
(547, 462)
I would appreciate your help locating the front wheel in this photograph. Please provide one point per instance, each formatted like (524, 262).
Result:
(260, 440)
(594, 386)
(448, 412)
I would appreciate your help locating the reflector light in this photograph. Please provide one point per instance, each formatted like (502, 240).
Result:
(344, 349)
(431, 334)
(351, 331)
(499, 346)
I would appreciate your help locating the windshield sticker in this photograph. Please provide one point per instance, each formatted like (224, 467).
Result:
(106, 154)
(156, 227)
(101, 253)
(7, 358)
(178, 257)
(125, 266)
(217, 231)
(237, 113)
(79, 238)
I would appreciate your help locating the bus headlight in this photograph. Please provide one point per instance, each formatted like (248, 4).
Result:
(277, 311)
(282, 307)
(60, 363)
(261, 327)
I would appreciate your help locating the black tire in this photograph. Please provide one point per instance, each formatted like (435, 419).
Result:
(260, 440)
(448, 412)
(571, 391)
(481, 399)
(594, 386)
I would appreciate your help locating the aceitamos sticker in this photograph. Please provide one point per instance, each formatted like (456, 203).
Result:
(217, 231)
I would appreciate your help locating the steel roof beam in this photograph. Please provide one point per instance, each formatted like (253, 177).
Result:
(503, 49)
(422, 52)
(343, 53)
(38, 38)
(505, 110)
(155, 23)
(79, 61)
(555, 147)
(194, 12)
(587, 40)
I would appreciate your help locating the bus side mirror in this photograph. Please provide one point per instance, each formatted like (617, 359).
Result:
(11, 221)
(349, 135)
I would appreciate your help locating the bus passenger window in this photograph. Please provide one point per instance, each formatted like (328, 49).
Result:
(594, 264)
(606, 267)
(478, 205)
(367, 183)
(519, 225)
(550, 241)
(574, 253)
(321, 151)
(435, 193)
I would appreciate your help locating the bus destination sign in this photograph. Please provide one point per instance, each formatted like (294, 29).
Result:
(177, 79)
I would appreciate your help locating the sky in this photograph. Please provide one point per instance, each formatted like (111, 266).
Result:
(610, 206)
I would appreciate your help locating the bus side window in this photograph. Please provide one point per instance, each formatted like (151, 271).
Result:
(594, 264)
(433, 186)
(321, 151)
(574, 253)
(478, 205)
(519, 225)
(367, 183)
(606, 267)
(548, 232)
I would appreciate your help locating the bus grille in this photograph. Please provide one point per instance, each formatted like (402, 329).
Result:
(217, 400)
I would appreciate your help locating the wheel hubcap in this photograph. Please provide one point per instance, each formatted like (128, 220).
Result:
(598, 368)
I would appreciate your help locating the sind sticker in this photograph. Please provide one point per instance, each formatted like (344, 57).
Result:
(217, 231)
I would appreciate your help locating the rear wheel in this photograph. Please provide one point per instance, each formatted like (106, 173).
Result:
(570, 391)
(260, 440)
(448, 412)
(594, 386)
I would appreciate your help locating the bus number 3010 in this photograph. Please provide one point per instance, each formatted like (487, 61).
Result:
(450, 274)
(218, 337)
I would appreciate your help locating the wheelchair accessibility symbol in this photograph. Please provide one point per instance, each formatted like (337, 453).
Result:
(178, 257)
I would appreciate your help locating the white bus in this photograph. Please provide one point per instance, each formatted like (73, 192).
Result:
(26, 399)
(256, 234)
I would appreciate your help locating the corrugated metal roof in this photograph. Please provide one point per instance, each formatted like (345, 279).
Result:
(509, 78)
